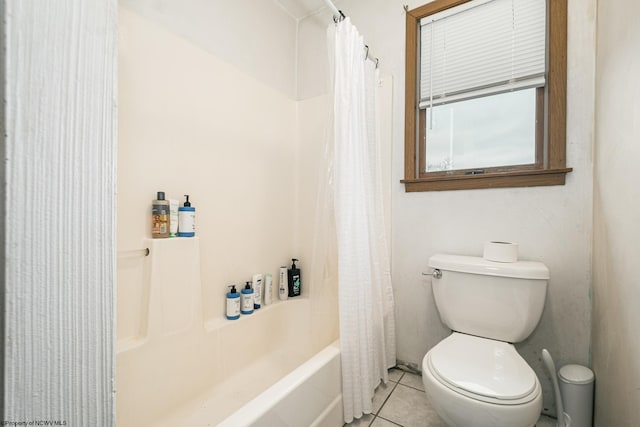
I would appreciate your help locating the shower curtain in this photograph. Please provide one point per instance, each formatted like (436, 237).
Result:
(367, 328)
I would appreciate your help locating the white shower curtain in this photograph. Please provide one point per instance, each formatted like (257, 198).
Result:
(367, 328)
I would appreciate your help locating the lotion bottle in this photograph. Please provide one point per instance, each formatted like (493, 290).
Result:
(268, 285)
(160, 217)
(257, 290)
(186, 219)
(247, 299)
(283, 291)
(233, 303)
(174, 205)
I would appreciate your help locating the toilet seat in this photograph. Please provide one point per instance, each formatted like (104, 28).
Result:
(482, 369)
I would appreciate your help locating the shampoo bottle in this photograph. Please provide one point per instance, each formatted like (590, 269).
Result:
(160, 217)
(186, 219)
(233, 303)
(257, 290)
(283, 291)
(247, 299)
(268, 280)
(295, 287)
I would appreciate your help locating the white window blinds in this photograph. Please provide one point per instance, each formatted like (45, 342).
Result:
(480, 48)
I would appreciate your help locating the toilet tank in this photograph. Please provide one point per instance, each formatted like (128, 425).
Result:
(496, 300)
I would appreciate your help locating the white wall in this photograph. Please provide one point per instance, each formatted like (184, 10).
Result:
(616, 349)
(552, 224)
(60, 141)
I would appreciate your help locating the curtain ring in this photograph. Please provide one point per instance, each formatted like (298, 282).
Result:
(366, 51)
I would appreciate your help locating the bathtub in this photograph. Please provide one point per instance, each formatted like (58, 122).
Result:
(308, 396)
(266, 369)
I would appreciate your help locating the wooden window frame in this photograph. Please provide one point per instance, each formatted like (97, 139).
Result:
(541, 173)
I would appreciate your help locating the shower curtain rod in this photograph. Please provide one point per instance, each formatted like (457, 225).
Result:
(339, 16)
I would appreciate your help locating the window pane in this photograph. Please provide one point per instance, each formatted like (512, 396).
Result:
(496, 130)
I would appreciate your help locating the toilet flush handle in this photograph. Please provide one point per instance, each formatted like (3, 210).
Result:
(436, 274)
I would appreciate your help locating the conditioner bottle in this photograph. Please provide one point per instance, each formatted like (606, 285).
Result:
(283, 291)
(257, 290)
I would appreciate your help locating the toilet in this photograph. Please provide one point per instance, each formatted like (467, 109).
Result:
(475, 377)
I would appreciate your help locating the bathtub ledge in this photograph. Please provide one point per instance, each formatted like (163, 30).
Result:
(217, 323)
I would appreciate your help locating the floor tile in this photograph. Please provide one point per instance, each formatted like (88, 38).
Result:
(381, 422)
(412, 380)
(410, 408)
(406, 406)
(545, 421)
(363, 421)
(395, 374)
(382, 392)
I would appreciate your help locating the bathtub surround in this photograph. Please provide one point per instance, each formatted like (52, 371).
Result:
(256, 37)
(616, 287)
(178, 360)
(59, 142)
(231, 140)
(183, 370)
(239, 138)
(367, 325)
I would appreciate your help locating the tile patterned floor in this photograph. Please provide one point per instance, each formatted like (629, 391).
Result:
(402, 402)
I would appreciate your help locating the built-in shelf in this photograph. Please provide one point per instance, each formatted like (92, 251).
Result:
(220, 322)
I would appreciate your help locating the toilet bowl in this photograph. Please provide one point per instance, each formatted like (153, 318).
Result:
(475, 377)
(479, 382)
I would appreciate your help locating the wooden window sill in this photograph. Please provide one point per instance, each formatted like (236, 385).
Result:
(524, 178)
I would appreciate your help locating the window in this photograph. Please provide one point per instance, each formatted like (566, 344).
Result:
(485, 94)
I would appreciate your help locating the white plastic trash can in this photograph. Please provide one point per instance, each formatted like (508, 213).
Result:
(576, 388)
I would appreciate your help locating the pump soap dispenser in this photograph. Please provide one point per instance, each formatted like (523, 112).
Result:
(295, 287)
(186, 219)
(247, 299)
(233, 303)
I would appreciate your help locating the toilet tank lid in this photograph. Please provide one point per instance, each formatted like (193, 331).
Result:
(477, 265)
